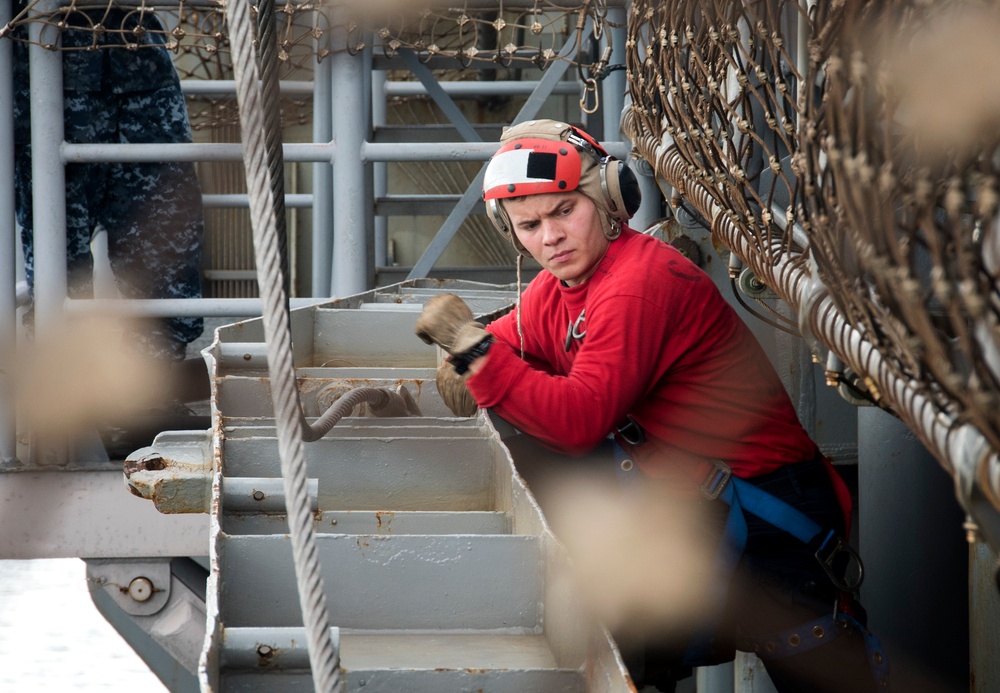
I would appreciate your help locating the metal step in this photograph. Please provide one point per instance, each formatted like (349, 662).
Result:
(247, 397)
(378, 581)
(418, 661)
(421, 681)
(375, 522)
(391, 473)
(350, 427)
(440, 572)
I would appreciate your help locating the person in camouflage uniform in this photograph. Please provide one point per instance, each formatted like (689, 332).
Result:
(152, 212)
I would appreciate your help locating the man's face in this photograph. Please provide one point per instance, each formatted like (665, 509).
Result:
(562, 231)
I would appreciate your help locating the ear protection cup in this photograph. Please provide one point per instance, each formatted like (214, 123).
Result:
(501, 222)
(496, 215)
(620, 187)
(493, 212)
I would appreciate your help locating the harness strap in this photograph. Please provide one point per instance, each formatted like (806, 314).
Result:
(833, 553)
(812, 634)
(741, 493)
(796, 640)
(742, 496)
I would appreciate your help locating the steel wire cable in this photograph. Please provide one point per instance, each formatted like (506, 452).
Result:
(788, 327)
(268, 38)
(289, 419)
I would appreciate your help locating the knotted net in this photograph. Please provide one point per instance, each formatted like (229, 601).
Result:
(857, 143)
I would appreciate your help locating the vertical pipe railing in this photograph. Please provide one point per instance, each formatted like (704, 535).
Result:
(8, 239)
(322, 183)
(350, 256)
(380, 170)
(48, 196)
(48, 174)
(368, 201)
(613, 90)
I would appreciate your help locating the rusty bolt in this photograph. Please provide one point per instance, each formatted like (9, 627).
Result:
(151, 462)
(259, 495)
(264, 650)
(140, 589)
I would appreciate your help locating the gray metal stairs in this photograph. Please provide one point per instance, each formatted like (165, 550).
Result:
(439, 569)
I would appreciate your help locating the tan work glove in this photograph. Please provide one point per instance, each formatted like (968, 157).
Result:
(454, 393)
(447, 322)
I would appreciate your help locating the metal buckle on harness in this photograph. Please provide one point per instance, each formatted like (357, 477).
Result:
(631, 432)
(716, 481)
(827, 554)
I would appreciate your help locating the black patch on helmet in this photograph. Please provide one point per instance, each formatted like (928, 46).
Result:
(541, 165)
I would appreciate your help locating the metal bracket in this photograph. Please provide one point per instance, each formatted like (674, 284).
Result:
(138, 587)
(175, 472)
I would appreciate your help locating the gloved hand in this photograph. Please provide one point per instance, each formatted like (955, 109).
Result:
(447, 322)
(454, 393)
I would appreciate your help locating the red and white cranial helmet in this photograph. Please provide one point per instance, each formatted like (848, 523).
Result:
(547, 156)
(532, 166)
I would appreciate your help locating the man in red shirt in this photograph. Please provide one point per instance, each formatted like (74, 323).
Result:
(622, 336)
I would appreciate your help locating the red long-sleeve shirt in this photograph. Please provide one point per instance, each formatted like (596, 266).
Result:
(661, 344)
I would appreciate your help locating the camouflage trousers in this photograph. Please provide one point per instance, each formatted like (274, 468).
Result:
(152, 212)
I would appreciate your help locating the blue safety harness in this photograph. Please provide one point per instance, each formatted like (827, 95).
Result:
(742, 496)
(831, 551)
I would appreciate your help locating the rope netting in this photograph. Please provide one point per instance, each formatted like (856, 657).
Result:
(462, 38)
(460, 41)
(859, 140)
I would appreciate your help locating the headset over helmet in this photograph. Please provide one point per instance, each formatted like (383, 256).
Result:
(547, 156)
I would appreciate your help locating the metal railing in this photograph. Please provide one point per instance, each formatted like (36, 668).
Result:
(342, 156)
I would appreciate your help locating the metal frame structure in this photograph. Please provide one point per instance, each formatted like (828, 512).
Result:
(8, 257)
(346, 242)
(343, 158)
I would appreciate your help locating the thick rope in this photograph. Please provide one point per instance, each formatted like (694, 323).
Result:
(375, 396)
(323, 656)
